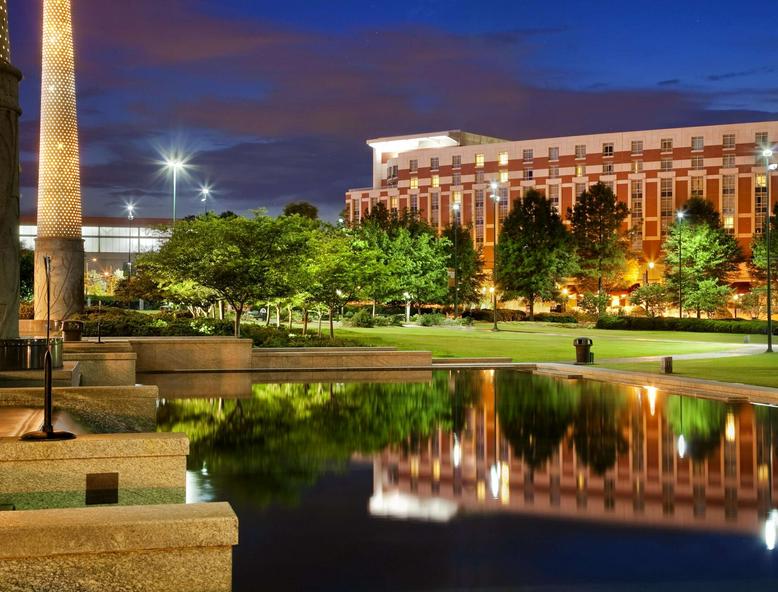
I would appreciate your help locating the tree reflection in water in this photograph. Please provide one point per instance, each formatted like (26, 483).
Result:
(701, 421)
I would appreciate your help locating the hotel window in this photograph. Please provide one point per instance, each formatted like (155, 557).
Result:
(434, 163)
(479, 176)
(456, 179)
(607, 168)
(436, 180)
(373, 203)
(456, 161)
(413, 165)
(637, 147)
(580, 189)
(479, 215)
(608, 184)
(553, 153)
(528, 175)
(666, 164)
(414, 182)
(636, 191)
(728, 162)
(761, 140)
(435, 208)
(503, 158)
(697, 186)
(666, 145)
(580, 150)
(697, 143)
(760, 203)
(528, 155)
(456, 198)
(504, 199)
(637, 166)
(697, 163)
(666, 202)
(395, 204)
(728, 141)
(414, 203)
(580, 170)
(728, 202)
(607, 149)
(357, 205)
(553, 196)
(503, 176)
(479, 160)
(553, 172)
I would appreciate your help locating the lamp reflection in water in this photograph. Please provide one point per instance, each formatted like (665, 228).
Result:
(770, 530)
(651, 395)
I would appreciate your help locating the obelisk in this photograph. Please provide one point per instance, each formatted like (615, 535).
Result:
(59, 179)
(9, 184)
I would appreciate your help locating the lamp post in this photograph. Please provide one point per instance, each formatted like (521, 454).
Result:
(496, 198)
(767, 153)
(565, 296)
(174, 165)
(680, 263)
(205, 193)
(649, 265)
(456, 207)
(130, 218)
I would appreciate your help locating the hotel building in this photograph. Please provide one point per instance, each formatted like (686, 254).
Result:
(653, 171)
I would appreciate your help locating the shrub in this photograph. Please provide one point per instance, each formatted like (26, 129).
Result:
(280, 337)
(691, 325)
(555, 317)
(504, 315)
(362, 318)
(26, 310)
(429, 320)
(395, 320)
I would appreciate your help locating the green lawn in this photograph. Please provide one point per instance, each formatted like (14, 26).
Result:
(541, 342)
(759, 369)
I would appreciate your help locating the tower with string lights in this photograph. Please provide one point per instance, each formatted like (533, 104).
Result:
(9, 184)
(59, 181)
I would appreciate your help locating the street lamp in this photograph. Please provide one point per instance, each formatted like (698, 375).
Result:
(496, 198)
(767, 153)
(649, 265)
(565, 297)
(205, 193)
(407, 297)
(174, 165)
(681, 215)
(456, 207)
(736, 300)
(130, 218)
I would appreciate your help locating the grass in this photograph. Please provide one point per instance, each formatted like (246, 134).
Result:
(759, 369)
(541, 342)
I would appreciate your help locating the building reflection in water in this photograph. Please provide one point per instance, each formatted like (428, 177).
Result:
(542, 446)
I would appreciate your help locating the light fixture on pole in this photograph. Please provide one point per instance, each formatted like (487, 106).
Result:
(174, 165)
(456, 207)
(767, 153)
(496, 198)
(205, 193)
(680, 215)
(649, 266)
(130, 218)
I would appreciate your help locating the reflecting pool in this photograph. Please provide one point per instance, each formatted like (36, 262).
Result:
(487, 479)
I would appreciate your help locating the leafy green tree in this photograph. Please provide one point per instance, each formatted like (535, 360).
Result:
(652, 297)
(26, 275)
(708, 296)
(758, 262)
(599, 233)
(420, 264)
(698, 210)
(534, 251)
(700, 421)
(598, 432)
(301, 208)
(463, 257)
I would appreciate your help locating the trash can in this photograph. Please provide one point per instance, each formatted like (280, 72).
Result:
(72, 330)
(583, 347)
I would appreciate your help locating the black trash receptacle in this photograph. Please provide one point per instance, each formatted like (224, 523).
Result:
(583, 348)
(72, 330)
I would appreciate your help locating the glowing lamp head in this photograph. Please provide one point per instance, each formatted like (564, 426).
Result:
(767, 153)
(770, 527)
(681, 215)
(772, 166)
(456, 207)
(681, 446)
(651, 265)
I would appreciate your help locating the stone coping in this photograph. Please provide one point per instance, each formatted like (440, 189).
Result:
(85, 356)
(338, 351)
(116, 529)
(137, 391)
(365, 349)
(91, 446)
(71, 347)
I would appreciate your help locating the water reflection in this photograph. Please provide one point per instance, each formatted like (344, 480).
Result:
(488, 441)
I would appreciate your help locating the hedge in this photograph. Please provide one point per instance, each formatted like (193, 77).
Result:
(691, 325)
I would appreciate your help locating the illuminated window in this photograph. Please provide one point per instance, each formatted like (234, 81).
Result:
(728, 202)
(413, 165)
(607, 149)
(456, 197)
(697, 186)
(553, 172)
(503, 176)
(666, 203)
(636, 197)
(697, 143)
(553, 153)
(580, 170)
(528, 155)
(503, 159)
(414, 182)
(666, 145)
(479, 160)
(436, 180)
(666, 163)
(637, 147)
(435, 208)
(698, 163)
(503, 192)
(580, 151)
(456, 161)
(637, 166)
(728, 141)
(395, 204)
(728, 161)
(434, 163)
(760, 203)
(479, 216)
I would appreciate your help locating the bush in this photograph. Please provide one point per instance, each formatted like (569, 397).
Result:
(504, 315)
(555, 317)
(362, 318)
(395, 320)
(115, 322)
(429, 320)
(692, 325)
(280, 337)
(26, 310)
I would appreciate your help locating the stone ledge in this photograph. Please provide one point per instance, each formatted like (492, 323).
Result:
(116, 529)
(336, 358)
(92, 446)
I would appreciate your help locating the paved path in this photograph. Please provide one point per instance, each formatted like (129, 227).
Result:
(741, 350)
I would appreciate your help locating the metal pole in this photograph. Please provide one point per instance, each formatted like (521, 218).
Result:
(494, 265)
(680, 268)
(129, 245)
(47, 404)
(175, 181)
(456, 263)
(769, 265)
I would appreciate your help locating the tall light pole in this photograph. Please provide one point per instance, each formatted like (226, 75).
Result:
(174, 165)
(130, 218)
(768, 166)
(649, 265)
(496, 198)
(680, 215)
(456, 207)
(205, 193)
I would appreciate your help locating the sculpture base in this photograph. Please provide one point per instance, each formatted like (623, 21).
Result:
(67, 277)
(41, 436)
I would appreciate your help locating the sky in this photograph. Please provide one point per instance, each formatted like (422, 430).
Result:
(273, 101)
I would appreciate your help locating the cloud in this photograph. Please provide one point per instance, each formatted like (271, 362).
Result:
(740, 74)
(669, 82)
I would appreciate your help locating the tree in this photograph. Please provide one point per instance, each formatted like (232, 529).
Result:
(758, 263)
(534, 250)
(599, 234)
(708, 296)
(706, 252)
(698, 210)
(26, 275)
(301, 208)
(467, 262)
(652, 297)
